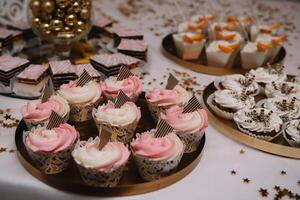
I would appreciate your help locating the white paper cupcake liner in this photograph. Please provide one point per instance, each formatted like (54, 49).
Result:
(218, 111)
(151, 170)
(292, 143)
(261, 137)
(97, 178)
(190, 140)
(83, 112)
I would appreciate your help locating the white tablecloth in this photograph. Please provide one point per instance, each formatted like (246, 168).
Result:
(212, 178)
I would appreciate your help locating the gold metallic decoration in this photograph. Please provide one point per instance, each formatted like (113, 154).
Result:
(76, 6)
(81, 24)
(60, 13)
(62, 3)
(46, 29)
(67, 29)
(48, 6)
(35, 6)
(71, 20)
(37, 21)
(56, 25)
(85, 13)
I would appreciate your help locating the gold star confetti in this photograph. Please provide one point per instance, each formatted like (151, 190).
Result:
(263, 192)
(246, 180)
(242, 151)
(283, 172)
(233, 172)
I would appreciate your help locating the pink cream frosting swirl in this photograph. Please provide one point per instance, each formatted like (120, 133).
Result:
(112, 155)
(131, 86)
(37, 111)
(194, 122)
(165, 97)
(163, 148)
(54, 140)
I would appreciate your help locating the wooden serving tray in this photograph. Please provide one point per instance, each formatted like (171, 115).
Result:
(278, 146)
(130, 183)
(200, 65)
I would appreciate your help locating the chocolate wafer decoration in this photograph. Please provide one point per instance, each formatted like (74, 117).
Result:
(121, 99)
(104, 138)
(84, 78)
(124, 73)
(47, 93)
(162, 129)
(54, 120)
(192, 105)
(172, 82)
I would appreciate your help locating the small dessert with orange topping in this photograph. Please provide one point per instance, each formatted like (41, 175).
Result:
(219, 52)
(264, 29)
(254, 54)
(189, 45)
(230, 36)
(191, 27)
(202, 18)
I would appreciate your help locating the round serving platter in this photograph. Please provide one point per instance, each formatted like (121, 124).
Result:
(130, 184)
(199, 65)
(278, 146)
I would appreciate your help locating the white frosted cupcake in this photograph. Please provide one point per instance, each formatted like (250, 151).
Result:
(37, 113)
(268, 74)
(260, 123)
(189, 127)
(156, 157)
(291, 133)
(255, 54)
(121, 122)
(100, 168)
(237, 83)
(82, 100)
(282, 89)
(219, 52)
(189, 45)
(286, 108)
(160, 99)
(226, 102)
(50, 150)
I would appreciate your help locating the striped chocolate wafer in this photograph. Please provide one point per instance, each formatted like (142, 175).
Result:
(162, 129)
(47, 93)
(124, 73)
(84, 78)
(121, 99)
(54, 120)
(192, 105)
(172, 82)
(104, 138)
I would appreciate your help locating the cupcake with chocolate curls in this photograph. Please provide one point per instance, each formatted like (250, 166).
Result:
(291, 133)
(282, 89)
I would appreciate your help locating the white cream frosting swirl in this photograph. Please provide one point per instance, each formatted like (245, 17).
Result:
(275, 104)
(233, 82)
(263, 75)
(123, 116)
(293, 130)
(232, 100)
(282, 89)
(89, 93)
(244, 120)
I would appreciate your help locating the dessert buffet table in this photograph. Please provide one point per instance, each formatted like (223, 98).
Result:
(227, 170)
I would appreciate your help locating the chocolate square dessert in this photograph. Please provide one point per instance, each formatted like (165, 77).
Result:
(134, 48)
(62, 72)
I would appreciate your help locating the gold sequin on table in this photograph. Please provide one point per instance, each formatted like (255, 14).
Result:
(7, 120)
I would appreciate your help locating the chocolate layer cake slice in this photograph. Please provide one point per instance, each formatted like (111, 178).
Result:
(6, 37)
(134, 48)
(90, 69)
(10, 66)
(31, 81)
(62, 72)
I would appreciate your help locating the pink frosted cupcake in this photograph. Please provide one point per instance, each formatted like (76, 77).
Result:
(131, 86)
(189, 127)
(160, 99)
(156, 157)
(50, 150)
(37, 113)
(100, 168)
(121, 122)
(82, 100)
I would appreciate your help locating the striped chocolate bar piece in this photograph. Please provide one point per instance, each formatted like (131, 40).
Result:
(124, 73)
(162, 129)
(54, 120)
(121, 99)
(84, 78)
(192, 105)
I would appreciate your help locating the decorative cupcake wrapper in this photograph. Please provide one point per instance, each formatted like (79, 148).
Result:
(151, 170)
(51, 163)
(33, 124)
(218, 111)
(81, 113)
(120, 134)
(156, 110)
(190, 140)
(292, 143)
(96, 178)
(261, 137)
